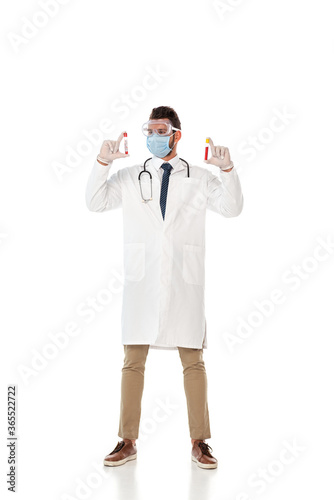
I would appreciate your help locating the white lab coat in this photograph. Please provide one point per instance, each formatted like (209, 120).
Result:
(164, 260)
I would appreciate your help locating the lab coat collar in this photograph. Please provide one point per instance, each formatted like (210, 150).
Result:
(175, 162)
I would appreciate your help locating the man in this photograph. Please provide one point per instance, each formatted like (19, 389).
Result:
(164, 212)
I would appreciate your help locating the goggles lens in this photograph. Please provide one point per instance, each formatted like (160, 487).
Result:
(157, 127)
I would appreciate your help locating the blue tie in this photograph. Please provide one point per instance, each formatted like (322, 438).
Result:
(164, 187)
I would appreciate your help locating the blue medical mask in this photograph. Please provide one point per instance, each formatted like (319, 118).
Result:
(159, 145)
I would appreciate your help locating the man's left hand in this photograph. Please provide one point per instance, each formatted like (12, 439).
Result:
(220, 156)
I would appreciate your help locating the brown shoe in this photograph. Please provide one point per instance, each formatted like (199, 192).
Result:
(201, 455)
(124, 451)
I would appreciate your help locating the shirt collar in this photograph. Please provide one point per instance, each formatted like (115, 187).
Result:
(157, 162)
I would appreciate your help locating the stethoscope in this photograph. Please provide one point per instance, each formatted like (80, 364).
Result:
(144, 171)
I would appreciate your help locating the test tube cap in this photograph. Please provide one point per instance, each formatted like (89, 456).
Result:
(207, 140)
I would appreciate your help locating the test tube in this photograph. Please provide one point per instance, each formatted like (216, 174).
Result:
(126, 148)
(206, 148)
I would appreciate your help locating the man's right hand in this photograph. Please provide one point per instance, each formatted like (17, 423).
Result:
(110, 150)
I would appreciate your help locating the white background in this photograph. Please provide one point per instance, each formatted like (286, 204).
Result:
(228, 72)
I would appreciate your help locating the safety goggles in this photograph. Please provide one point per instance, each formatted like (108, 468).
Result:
(161, 128)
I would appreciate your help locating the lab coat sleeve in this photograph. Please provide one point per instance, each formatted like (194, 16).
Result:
(224, 193)
(101, 193)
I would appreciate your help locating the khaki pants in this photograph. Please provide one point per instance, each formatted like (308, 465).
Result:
(132, 385)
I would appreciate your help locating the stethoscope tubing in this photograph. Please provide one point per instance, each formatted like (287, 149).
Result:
(148, 172)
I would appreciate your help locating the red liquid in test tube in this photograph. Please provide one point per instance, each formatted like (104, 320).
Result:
(126, 148)
(206, 149)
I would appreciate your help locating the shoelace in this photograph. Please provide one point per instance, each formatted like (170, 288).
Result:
(119, 446)
(205, 448)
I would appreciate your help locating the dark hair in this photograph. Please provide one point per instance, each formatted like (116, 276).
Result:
(166, 112)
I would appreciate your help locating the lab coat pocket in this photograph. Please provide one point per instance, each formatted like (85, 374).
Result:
(134, 261)
(193, 264)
